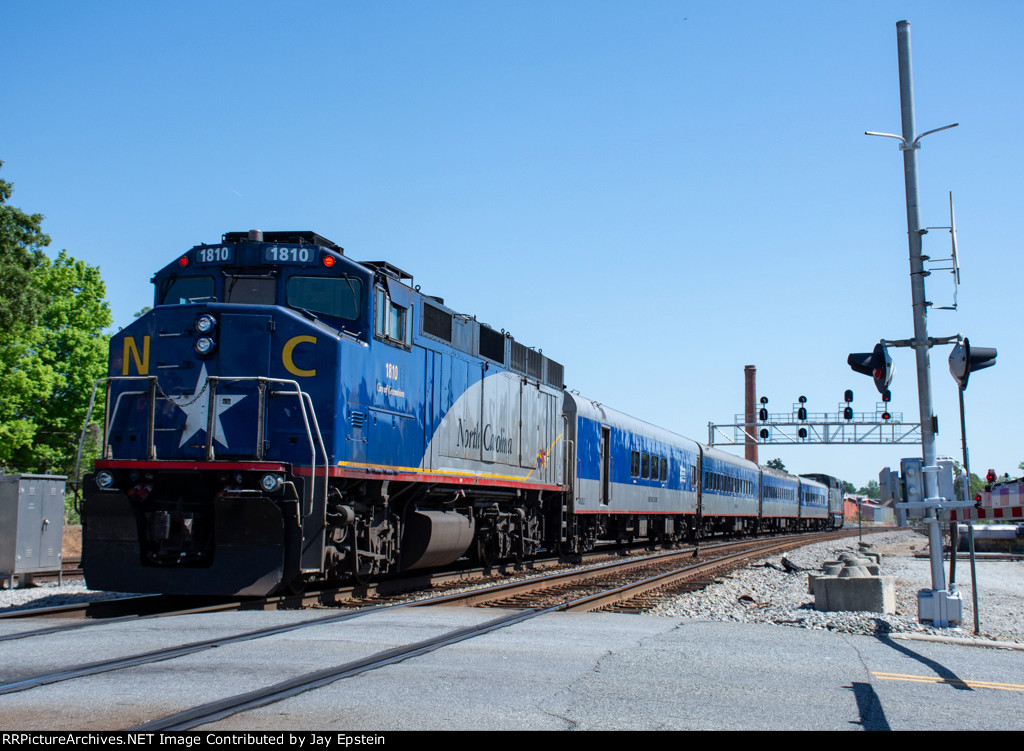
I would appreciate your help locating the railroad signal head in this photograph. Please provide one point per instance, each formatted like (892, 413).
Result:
(990, 476)
(965, 359)
(886, 415)
(763, 414)
(877, 364)
(886, 396)
(848, 413)
(848, 396)
(802, 432)
(764, 433)
(801, 414)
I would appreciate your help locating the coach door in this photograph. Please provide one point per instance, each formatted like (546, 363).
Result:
(606, 464)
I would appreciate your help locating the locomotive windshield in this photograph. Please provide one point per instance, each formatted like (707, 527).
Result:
(331, 296)
(250, 290)
(188, 289)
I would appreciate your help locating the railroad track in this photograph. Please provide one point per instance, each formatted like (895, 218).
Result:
(634, 585)
(390, 591)
(598, 587)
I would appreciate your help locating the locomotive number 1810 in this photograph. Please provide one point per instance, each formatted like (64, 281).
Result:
(276, 254)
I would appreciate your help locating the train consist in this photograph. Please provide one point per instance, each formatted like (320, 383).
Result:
(284, 415)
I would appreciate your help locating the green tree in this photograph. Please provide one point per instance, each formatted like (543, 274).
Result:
(21, 244)
(871, 490)
(977, 484)
(49, 358)
(848, 488)
(776, 464)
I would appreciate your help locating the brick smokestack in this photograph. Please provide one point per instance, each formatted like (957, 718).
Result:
(750, 411)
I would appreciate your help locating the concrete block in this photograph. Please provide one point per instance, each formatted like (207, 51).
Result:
(875, 594)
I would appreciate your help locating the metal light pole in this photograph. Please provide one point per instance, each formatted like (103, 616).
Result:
(939, 606)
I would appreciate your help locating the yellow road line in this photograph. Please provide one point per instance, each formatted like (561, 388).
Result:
(949, 681)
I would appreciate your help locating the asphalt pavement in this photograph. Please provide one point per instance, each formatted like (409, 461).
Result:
(555, 672)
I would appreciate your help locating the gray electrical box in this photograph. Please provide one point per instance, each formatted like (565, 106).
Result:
(945, 479)
(913, 484)
(31, 525)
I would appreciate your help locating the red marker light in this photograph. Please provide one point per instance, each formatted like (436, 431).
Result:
(328, 261)
(183, 261)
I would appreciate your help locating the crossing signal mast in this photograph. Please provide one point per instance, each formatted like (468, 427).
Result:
(939, 606)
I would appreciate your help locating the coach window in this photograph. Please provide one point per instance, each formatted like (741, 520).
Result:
(645, 465)
(187, 289)
(664, 469)
(634, 463)
(327, 295)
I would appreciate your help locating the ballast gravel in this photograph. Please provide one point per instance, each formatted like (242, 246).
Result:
(762, 593)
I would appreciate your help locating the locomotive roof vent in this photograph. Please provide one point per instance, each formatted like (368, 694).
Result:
(389, 270)
(295, 237)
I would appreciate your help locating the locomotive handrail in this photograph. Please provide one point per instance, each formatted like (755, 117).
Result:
(304, 399)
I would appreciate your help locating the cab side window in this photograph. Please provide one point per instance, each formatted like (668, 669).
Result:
(391, 321)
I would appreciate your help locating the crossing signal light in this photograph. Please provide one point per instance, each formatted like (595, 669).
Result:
(990, 476)
(877, 364)
(964, 360)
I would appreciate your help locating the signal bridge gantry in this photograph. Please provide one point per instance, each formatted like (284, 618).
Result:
(842, 426)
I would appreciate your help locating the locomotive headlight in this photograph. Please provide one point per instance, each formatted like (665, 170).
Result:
(205, 324)
(104, 479)
(205, 345)
(271, 482)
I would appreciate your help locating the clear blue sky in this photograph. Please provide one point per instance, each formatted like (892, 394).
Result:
(654, 193)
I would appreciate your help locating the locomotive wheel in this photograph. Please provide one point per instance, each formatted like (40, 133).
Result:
(360, 571)
(486, 551)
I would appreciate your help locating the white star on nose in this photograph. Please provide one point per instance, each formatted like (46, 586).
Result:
(196, 410)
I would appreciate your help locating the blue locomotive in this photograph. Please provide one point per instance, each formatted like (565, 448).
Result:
(284, 414)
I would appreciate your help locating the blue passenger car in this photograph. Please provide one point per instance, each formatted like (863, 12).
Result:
(729, 493)
(629, 478)
(813, 504)
(780, 500)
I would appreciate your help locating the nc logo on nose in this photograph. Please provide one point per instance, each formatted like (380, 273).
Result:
(286, 356)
